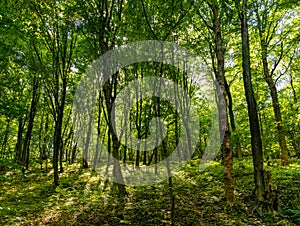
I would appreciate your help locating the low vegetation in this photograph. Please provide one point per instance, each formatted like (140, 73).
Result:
(85, 198)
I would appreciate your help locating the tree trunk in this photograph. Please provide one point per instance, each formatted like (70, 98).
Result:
(232, 121)
(273, 90)
(96, 157)
(45, 148)
(73, 153)
(87, 142)
(19, 140)
(5, 139)
(223, 115)
(295, 109)
(56, 146)
(109, 99)
(60, 106)
(138, 127)
(61, 155)
(256, 142)
(284, 157)
(34, 102)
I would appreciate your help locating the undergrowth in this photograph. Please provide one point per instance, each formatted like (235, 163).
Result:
(85, 198)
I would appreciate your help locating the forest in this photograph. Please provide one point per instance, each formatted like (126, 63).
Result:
(140, 112)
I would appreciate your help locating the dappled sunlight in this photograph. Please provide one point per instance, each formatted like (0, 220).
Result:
(140, 112)
(83, 196)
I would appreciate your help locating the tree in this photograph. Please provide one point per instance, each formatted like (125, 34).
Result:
(269, 29)
(218, 68)
(100, 26)
(57, 33)
(256, 142)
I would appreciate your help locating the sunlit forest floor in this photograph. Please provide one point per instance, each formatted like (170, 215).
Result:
(84, 198)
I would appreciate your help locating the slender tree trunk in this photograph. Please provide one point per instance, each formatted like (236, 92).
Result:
(96, 157)
(57, 141)
(273, 92)
(284, 157)
(19, 140)
(69, 147)
(45, 148)
(67, 144)
(145, 148)
(34, 102)
(256, 142)
(5, 139)
(40, 141)
(137, 125)
(232, 120)
(295, 109)
(60, 104)
(87, 142)
(61, 155)
(223, 115)
(56, 146)
(109, 99)
(176, 117)
(125, 146)
(184, 107)
(73, 153)
(108, 149)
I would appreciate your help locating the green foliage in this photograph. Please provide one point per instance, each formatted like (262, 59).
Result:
(85, 198)
(35, 39)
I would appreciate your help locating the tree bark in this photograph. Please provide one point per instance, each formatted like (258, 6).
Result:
(273, 91)
(295, 109)
(232, 121)
(256, 142)
(33, 107)
(87, 142)
(109, 99)
(60, 106)
(5, 139)
(223, 115)
(56, 146)
(284, 157)
(18, 155)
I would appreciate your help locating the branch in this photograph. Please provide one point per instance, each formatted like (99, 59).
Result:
(212, 59)
(205, 22)
(148, 23)
(278, 61)
(178, 22)
(282, 73)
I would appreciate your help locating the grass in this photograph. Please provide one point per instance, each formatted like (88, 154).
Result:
(84, 198)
